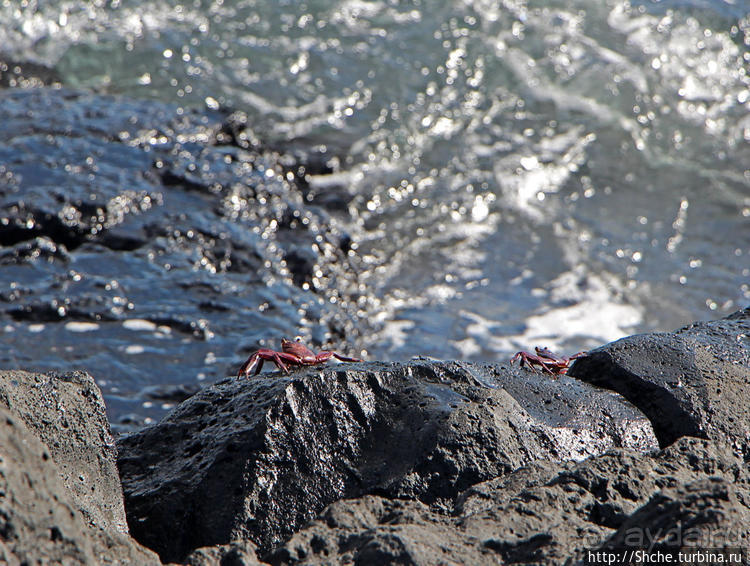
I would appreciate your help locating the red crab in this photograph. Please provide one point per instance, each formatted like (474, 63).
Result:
(293, 354)
(547, 360)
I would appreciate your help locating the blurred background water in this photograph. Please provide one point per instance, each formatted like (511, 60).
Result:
(182, 183)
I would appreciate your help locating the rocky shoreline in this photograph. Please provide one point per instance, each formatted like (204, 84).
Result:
(645, 444)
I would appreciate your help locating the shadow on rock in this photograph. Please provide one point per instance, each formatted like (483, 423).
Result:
(418, 463)
(258, 459)
(544, 513)
(691, 382)
(60, 499)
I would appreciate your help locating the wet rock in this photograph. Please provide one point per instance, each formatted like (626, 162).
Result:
(256, 459)
(301, 263)
(692, 382)
(114, 208)
(536, 515)
(39, 522)
(235, 131)
(85, 307)
(171, 393)
(33, 250)
(68, 217)
(67, 413)
(124, 238)
(27, 74)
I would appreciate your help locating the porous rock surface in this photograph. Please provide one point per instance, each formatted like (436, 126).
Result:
(537, 515)
(67, 413)
(39, 521)
(709, 514)
(258, 458)
(236, 553)
(419, 463)
(33, 519)
(694, 381)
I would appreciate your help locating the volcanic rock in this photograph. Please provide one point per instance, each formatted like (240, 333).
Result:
(418, 463)
(114, 208)
(257, 459)
(375, 530)
(35, 520)
(691, 382)
(67, 414)
(583, 504)
(236, 553)
(26, 74)
(537, 516)
(707, 515)
(39, 521)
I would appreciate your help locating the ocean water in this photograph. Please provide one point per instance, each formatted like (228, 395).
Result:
(445, 179)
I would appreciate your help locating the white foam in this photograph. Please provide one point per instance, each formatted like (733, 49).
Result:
(77, 326)
(587, 311)
(396, 332)
(139, 324)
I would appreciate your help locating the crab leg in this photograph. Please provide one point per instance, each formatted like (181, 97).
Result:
(530, 360)
(253, 362)
(341, 358)
(326, 355)
(545, 367)
(276, 358)
(292, 354)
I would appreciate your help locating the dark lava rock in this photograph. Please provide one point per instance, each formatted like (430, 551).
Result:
(535, 515)
(375, 530)
(26, 74)
(707, 515)
(172, 393)
(692, 382)
(34, 520)
(39, 522)
(67, 413)
(114, 209)
(582, 505)
(236, 553)
(256, 459)
(33, 250)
